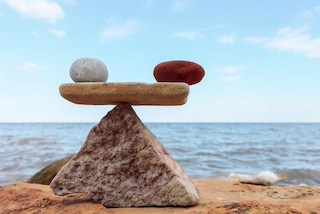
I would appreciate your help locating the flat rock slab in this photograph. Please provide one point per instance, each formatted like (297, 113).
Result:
(166, 94)
(217, 197)
(122, 164)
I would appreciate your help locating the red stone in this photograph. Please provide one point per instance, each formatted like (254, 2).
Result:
(179, 71)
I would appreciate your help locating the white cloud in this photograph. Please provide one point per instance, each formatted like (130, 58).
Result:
(256, 39)
(189, 35)
(58, 33)
(180, 5)
(120, 31)
(229, 69)
(30, 66)
(35, 34)
(231, 78)
(299, 40)
(7, 103)
(229, 73)
(310, 14)
(226, 39)
(41, 9)
(295, 40)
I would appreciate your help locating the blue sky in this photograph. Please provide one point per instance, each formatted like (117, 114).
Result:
(261, 58)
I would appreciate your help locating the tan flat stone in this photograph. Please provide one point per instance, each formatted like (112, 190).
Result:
(164, 93)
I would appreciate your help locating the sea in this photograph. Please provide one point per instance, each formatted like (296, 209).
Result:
(276, 153)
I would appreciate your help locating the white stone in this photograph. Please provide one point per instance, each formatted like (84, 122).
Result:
(88, 70)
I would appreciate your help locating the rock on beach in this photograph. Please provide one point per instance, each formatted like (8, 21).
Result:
(45, 175)
(88, 70)
(122, 164)
(179, 71)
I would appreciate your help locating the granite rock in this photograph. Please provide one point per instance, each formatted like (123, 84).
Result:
(167, 94)
(88, 70)
(122, 164)
(179, 71)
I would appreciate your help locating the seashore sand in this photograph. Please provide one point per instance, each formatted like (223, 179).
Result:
(216, 196)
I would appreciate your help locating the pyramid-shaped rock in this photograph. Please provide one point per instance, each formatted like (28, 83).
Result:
(122, 164)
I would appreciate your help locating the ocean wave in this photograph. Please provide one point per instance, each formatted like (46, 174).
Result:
(299, 177)
(265, 178)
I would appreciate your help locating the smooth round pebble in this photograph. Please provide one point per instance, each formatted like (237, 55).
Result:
(88, 70)
(179, 71)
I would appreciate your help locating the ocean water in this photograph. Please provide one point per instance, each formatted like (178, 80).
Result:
(280, 153)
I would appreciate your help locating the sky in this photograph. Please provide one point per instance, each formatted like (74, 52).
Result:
(261, 58)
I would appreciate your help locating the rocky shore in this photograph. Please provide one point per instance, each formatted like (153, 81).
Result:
(123, 168)
(217, 196)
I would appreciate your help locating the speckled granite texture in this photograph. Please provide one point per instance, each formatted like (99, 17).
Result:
(122, 164)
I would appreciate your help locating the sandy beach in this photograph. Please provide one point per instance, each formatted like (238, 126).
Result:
(216, 196)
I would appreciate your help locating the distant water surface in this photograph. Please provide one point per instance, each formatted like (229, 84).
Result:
(204, 150)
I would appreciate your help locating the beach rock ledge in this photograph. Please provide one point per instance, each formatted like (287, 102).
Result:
(217, 197)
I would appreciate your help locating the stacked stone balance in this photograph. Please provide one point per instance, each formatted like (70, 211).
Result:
(122, 164)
